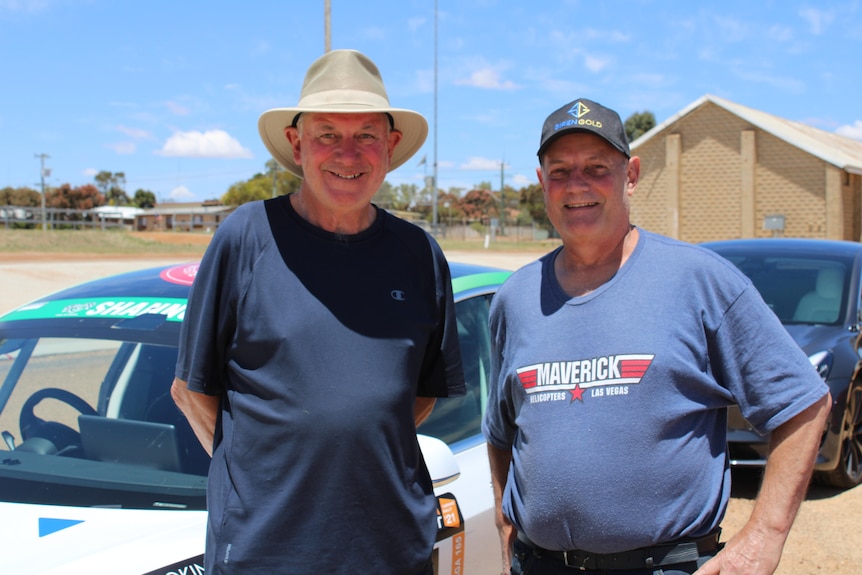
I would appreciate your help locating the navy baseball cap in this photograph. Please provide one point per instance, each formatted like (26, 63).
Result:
(584, 115)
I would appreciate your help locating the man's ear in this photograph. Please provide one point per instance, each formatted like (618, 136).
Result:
(292, 135)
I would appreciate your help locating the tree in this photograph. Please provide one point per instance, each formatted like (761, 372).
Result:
(533, 201)
(66, 197)
(385, 196)
(259, 187)
(112, 185)
(285, 182)
(639, 124)
(25, 197)
(480, 205)
(144, 199)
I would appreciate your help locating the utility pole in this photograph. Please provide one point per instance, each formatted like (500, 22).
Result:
(434, 187)
(502, 200)
(42, 158)
(327, 36)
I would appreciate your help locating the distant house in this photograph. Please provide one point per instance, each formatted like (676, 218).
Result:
(187, 217)
(116, 216)
(719, 170)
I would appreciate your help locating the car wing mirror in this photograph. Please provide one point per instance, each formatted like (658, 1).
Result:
(439, 459)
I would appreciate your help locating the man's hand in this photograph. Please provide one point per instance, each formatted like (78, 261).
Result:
(756, 549)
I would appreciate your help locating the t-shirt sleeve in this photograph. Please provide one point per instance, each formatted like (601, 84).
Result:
(765, 370)
(498, 426)
(209, 316)
(442, 373)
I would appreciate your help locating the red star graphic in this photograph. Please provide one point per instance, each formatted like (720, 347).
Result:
(577, 393)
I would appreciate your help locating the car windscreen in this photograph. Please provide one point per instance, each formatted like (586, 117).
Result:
(90, 421)
(799, 289)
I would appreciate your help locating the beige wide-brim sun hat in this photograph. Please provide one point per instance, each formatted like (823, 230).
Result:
(347, 82)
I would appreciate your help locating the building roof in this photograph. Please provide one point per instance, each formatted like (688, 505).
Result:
(840, 151)
(188, 209)
(118, 212)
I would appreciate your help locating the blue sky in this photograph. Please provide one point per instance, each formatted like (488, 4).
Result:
(169, 92)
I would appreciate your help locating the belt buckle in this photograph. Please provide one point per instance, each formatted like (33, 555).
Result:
(581, 567)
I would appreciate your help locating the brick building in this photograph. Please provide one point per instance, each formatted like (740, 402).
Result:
(719, 170)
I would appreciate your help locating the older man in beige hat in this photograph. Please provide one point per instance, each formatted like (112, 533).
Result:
(319, 332)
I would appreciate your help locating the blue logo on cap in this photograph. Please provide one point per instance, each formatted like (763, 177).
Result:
(578, 110)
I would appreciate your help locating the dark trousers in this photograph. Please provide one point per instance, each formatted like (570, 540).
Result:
(525, 562)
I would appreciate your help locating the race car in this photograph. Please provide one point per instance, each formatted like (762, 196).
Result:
(100, 473)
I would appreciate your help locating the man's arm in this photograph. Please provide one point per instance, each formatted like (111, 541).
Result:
(201, 410)
(756, 549)
(422, 408)
(500, 461)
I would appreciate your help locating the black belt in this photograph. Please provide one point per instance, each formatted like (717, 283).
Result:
(686, 551)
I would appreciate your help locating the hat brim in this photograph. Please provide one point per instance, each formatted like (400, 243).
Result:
(271, 125)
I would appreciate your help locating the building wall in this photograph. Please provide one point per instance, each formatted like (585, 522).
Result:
(730, 176)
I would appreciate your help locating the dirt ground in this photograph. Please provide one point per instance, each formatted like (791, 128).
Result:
(827, 536)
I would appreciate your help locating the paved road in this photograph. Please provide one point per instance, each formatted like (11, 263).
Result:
(22, 282)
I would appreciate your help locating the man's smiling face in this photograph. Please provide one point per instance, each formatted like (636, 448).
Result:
(344, 157)
(587, 184)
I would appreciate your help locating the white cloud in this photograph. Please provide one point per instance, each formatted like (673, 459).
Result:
(177, 109)
(27, 6)
(477, 163)
(209, 144)
(488, 78)
(594, 64)
(817, 19)
(520, 180)
(123, 148)
(134, 133)
(853, 130)
(90, 172)
(181, 193)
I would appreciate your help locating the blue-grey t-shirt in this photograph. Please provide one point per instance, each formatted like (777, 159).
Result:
(615, 403)
(319, 345)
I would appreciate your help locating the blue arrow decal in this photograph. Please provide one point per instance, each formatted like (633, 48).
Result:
(48, 525)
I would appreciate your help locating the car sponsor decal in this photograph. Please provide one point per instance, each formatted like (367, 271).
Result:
(98, 308)
(472, 281)
(458, 554)
(181, 275)
(49, 525)
(449, 519)
(191, 566)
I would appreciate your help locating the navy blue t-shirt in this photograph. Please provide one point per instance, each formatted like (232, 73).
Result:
(319, 345)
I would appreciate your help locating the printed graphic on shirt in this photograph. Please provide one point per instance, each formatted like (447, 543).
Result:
(568, 380)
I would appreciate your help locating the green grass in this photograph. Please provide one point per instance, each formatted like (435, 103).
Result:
(121, 242)
(113, 242)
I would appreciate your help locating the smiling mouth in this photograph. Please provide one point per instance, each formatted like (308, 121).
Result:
(580, 205)
(346, 176)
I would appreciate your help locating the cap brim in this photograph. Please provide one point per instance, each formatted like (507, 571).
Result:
(271, 125)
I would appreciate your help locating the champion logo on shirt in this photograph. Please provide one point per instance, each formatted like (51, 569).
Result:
(398, 295)
(603, 376)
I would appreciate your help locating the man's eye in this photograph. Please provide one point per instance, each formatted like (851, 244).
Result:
(596, 170)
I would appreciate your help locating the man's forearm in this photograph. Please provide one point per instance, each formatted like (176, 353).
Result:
(500, 460)
(200, 410)
(792, 453)
(756, 549)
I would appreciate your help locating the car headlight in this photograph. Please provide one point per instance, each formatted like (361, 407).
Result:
(822, 362)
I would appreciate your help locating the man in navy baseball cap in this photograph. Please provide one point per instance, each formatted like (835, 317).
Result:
(615, 359)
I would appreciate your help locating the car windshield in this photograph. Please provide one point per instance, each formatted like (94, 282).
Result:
(90, 421)
(87, 417)
(800, 290)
